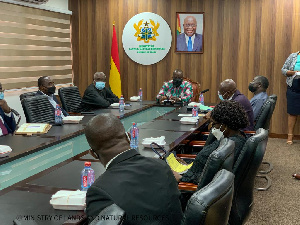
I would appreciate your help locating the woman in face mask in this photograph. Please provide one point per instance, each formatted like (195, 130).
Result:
(227, 118)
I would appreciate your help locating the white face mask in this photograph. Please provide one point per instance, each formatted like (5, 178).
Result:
(217, 133)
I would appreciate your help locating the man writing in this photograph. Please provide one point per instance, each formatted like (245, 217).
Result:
(258, 87)
(143, 187)
(176, 90)
(96, 95)
(189, 40)
(7, 120)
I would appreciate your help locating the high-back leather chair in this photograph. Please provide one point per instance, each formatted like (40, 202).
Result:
(211, 204)
(70, 98)
(196, 89)
(266, 112)
(245, 170)
(38, 109)
(221, 158)
(27, 95)
(113, 211)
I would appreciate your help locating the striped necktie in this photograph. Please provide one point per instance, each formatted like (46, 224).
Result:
(3, 127)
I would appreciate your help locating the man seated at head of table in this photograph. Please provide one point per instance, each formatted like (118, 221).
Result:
(176, 90)
(229, 91)
(227, 119)
(7, 120)
(258, 87)
(97, 96)
(47, 87)
(143, 187)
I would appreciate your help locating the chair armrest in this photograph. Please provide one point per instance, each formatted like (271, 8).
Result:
(187, 156)
(249, 132)
(187, 186)
(197, 143)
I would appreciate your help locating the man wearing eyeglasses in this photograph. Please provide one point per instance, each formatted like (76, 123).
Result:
(7, 120)
(189, 41)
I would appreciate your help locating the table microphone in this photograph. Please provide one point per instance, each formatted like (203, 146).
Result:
(206, 90)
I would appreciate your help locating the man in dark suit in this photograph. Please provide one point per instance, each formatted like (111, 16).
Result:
(7, 120)
(143, 187)
(96, 95)
(47, 87)
(229, 91)
(189, 40)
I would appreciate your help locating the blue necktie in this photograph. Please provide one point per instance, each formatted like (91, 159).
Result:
(190, 47)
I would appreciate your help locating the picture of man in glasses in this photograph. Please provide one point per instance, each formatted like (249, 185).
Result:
(189, 41)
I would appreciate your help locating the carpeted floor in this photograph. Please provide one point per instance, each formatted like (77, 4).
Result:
(280, 205)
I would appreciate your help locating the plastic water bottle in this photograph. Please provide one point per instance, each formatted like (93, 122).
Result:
(201, 99)
(134, 133)
(195, 111)
(141, 95)
(87, 176)
(58, 118)
(121, 104)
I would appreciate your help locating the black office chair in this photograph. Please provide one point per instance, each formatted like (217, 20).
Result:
(211, 205)
(113, 211)
(27, 95)
(38, 109)
(70, 98)
(245, 170)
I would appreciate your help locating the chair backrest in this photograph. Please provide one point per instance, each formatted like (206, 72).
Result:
(38, 109)
(27, 95)
(211, 204)
(196, 89)
(245, 170)
(70, 98)
(266, 112)
(221, 158)
(114, 212)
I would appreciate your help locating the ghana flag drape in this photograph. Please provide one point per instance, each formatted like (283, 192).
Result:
(178, 25)
(114, 75)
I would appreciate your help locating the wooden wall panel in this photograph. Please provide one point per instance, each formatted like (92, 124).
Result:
(242, 39)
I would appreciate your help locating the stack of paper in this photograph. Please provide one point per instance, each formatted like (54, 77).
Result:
(189, 120)
(68, 200)
(159, 140)
(134, 98)
(33, 128)
(5, 150)
(72, 119)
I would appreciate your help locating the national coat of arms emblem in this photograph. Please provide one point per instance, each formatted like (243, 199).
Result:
(146, 33)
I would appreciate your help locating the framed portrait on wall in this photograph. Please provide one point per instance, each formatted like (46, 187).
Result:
(189, 32)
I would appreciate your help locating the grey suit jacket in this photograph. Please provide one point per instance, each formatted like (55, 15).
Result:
(182, 46)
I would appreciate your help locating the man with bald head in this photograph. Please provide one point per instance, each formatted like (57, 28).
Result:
(143, 187)
(229, 91)
(97, 96)
(176, 90)
(189, 40)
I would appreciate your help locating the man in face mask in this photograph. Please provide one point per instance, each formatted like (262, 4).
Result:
(7, 121)
(176, 90)
(47, 87)
(96, 95)
(258, 87)
(229, 91)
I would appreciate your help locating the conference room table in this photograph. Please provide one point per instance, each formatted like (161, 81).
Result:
(41, 165)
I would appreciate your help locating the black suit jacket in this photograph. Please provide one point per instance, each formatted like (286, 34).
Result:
(145, 188)
(56, 100)
(96, 99)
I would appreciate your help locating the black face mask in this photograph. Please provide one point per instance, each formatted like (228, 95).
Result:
(177, 82)
(51, 90)
(252, 88)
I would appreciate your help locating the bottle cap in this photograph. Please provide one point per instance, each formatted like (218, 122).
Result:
(87, 164)
(133, 123)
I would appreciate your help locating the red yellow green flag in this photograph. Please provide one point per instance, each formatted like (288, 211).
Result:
(178, 25)
(114, 75)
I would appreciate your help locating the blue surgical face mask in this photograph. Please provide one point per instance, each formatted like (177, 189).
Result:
(220, 96)
(100, 85)
(1, 95)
